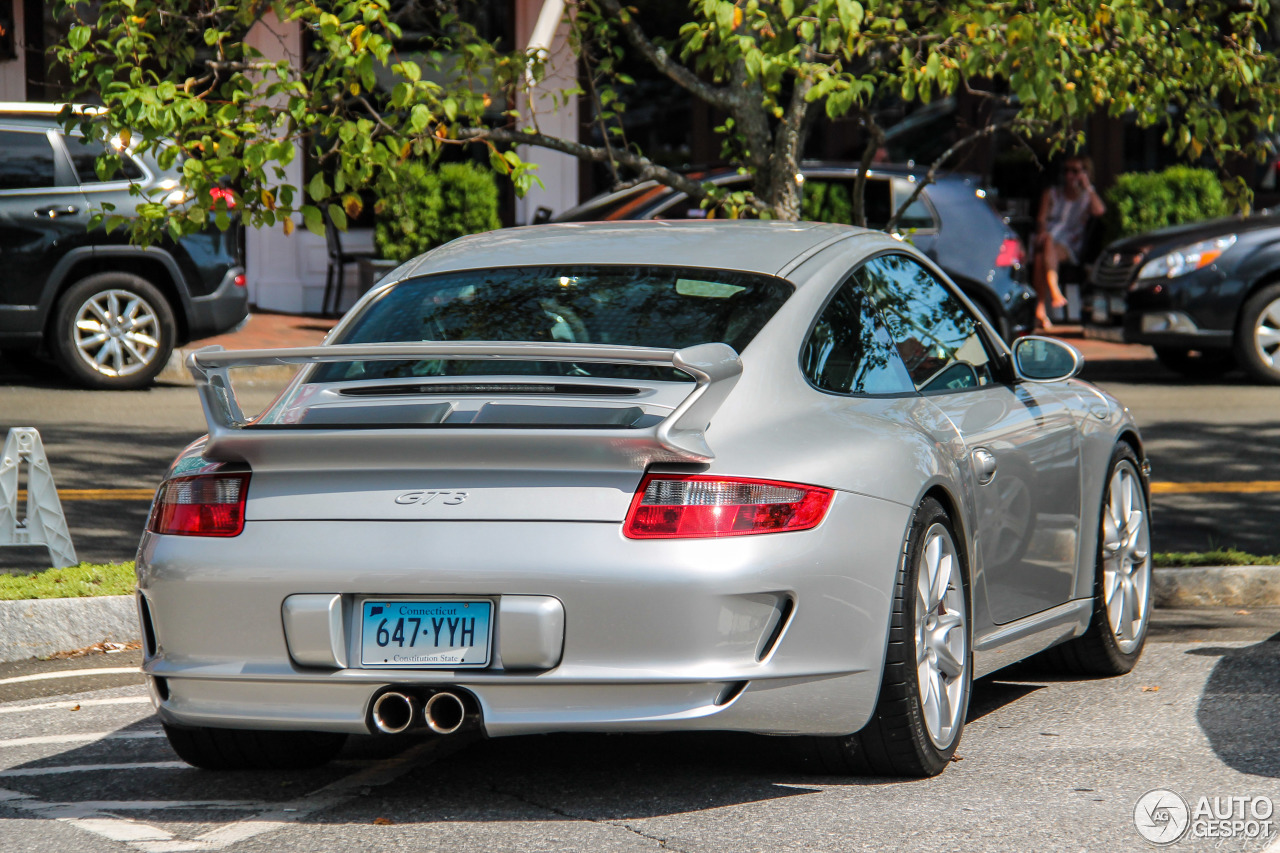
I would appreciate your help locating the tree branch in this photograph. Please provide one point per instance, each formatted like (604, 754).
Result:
(932, 174)
(717, 96)
(644, 168)
(875, 138)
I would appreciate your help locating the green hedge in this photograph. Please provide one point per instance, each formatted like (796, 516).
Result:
(431, 206)
(1145, 201)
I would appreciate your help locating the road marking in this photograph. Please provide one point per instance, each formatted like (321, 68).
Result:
(71, 705)
(94, 815)
(80, 737)
(1228, 487)
(73, 673)
(99, 494)
(94, 768)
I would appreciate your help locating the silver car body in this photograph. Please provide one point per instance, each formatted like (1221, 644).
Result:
(781, 633)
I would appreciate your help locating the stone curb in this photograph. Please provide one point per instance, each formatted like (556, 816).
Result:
(36, 627)
(42, 627)
(1218, 586)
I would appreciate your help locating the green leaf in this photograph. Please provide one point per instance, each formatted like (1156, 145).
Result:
(78, 37)
(312, 218)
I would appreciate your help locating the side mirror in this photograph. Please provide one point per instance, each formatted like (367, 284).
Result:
(1039, 359)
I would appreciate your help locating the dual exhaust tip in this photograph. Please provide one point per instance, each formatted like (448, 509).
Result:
(444, 712)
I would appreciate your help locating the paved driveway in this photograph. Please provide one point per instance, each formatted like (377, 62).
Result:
(1046, 764)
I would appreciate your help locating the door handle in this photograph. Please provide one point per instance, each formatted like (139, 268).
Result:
(54, 211)
(984, 463)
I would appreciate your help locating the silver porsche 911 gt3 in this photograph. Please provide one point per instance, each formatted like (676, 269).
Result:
(642, 477)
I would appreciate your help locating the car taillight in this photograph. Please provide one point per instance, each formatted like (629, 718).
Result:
(1010, 253)
(671, 506)
(240, 280)
(205, 505)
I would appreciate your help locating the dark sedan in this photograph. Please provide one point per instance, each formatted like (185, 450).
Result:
(1205, 296)
(951, 222)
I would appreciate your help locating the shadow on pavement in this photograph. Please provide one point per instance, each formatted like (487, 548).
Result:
(1240, 700)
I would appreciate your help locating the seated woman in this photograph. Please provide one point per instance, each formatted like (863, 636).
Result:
(1064, 212)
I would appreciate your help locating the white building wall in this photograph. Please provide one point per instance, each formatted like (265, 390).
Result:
(287, 273)
(559, 172)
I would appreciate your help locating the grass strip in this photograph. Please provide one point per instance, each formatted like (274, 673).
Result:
(79, 581)
(1218, 557)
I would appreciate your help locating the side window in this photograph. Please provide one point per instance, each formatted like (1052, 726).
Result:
(917, 215)
(849, 351)
(84, 155)
(26, 160)
(936, 336)
(831, 200)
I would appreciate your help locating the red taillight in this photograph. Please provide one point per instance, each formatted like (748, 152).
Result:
(205, 505)
(224, 195)
(671, 506)
(240, 280)
(1010, 253)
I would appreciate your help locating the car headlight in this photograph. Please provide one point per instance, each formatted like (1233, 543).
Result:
(1185, 259)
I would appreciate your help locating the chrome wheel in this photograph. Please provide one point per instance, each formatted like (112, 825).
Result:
(942, 636)
(1266, 335)
(117, 333)
(1126, 558)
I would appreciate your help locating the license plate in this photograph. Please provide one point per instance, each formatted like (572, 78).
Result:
(437, 633)
(1100, 306)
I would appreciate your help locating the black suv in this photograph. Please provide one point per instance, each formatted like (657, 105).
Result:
(107, 312)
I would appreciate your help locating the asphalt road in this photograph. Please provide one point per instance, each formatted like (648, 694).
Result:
(1046, 763)
(1195, 432)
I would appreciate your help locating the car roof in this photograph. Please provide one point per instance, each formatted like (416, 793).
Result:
(32, 109)
(767, 247)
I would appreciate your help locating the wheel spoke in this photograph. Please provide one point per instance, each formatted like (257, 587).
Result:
(100, 356)
(117, 355)
(944, 705)
(1110, 583)
(1268, 338)
(142, 339)
(113, 306)
(948, 663)
(1116, 607)
(131, 308)
(941, 581)
(93, 306)
(91, 341)
(133, 350)
(1271, 315)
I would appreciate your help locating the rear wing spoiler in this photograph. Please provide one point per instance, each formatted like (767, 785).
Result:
(680, 437)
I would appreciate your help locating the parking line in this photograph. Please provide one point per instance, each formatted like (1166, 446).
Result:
(73, 673)
(80, 737)
(1228, 487)
(69, 705)
(94, 768)
(99, 494)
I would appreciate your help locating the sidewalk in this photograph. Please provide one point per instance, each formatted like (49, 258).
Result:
(265, 330)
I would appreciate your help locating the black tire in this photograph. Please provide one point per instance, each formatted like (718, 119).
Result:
(896, 742)
(1262, 363)
(1098, 651)
(1196, 364)
(157, 326)
(240, 749)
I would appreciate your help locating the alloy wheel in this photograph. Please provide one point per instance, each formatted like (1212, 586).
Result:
(1266, 335)
(942, 636)
(1126, 558)
(117, 333)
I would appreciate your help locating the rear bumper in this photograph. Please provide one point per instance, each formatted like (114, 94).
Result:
(221, 310)
(655, 633)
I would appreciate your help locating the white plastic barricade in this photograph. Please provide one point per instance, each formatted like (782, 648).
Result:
(45, 523)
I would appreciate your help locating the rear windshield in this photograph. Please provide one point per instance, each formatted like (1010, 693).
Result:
(655, 306)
